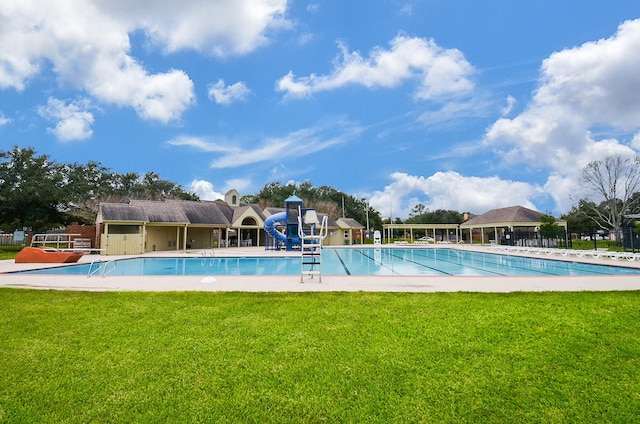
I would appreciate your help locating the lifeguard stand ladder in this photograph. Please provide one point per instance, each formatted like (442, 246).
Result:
(311, 243)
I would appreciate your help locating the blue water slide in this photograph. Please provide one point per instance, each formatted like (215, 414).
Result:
(270, 225)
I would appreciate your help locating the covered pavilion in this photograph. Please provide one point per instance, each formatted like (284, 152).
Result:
(438, 232)
(503, 222)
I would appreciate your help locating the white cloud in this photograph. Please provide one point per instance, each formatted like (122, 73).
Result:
(451, 190)
(440, 72)
(221, 27)
(565, 190)
(227, 94)
(205, 144)
(240, 184)
(86, 42)
(590, 86)
(406, 10)
(635, 142)
(453, 110)
(305, 38)
(3, 120)
(598, 80)
(510, 104)
(73, 120)
(296, 144)
(204, 190)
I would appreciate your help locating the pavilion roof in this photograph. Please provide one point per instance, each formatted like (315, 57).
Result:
(506, 217)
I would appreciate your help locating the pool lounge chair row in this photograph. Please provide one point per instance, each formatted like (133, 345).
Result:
(605, 254)
(425, 242)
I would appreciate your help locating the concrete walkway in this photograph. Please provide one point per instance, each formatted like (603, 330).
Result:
(291, 283)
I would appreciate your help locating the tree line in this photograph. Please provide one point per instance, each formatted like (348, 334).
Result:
(616, 180)
(38, 192)
(324, 199)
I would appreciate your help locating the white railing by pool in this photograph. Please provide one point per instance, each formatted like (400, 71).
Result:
(102, 266)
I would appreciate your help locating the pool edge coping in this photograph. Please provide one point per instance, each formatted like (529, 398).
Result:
(334, 283)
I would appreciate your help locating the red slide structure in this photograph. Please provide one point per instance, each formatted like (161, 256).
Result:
(46, 255)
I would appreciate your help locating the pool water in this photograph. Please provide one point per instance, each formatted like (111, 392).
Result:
(363, 261)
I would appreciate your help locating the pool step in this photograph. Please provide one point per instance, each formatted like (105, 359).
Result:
(311, 257)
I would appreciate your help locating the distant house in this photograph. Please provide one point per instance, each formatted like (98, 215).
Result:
(351, 231)
(142, 226)
(501, 225)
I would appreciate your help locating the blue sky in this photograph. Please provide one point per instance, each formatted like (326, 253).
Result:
(462, 105)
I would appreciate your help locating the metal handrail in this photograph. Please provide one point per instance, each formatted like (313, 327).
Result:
(106, 272)
(90, 272)
(102, 266)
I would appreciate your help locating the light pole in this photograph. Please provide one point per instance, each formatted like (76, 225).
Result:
(366, 205)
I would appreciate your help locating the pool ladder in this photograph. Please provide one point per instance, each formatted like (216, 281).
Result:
(105, 268)
(311, 257)
(311, 243)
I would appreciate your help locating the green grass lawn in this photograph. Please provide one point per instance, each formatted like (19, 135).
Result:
(328, 357)
(9, 252)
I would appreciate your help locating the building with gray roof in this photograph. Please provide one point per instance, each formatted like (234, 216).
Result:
(145, 226)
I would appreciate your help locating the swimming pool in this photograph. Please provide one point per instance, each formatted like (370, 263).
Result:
(359, 261)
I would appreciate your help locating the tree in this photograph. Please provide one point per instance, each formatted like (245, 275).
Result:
(418, 210)
(615, 179)
(36, 191)
(274, 194)
(152, 187)
(549, 227)
(439, 216)
(582, 218)
(86, 186)
(31, 190)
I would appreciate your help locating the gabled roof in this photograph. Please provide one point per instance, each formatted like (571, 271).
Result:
(121, 212)
(505, 216)
(244, 211)
(331, 223)
(175, 212)
(272, 211)
(198, 213)
(349, 223)
(207, 212)
(162, 211)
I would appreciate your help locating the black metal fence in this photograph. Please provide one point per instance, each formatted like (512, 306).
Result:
(14, 242)
(626, 239)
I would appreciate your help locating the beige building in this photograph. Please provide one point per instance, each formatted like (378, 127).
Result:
(142, 226)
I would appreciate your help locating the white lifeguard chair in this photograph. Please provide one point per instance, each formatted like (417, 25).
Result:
(377, 239)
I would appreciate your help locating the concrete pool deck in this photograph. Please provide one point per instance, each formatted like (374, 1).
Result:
(330, 283)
